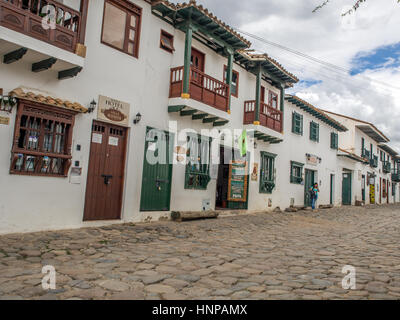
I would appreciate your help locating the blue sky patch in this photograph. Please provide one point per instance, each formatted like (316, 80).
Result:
(380, 58)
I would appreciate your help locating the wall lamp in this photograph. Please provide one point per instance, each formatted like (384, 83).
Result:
(7, 102)
(137, 119)
(93, 105)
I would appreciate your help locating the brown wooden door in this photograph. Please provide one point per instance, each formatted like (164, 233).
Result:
(262, 98)
(105, 179)
(197, 59)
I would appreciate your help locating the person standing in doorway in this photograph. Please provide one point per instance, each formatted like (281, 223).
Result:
(314, 190)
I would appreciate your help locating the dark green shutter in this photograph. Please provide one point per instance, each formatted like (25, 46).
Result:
(334, 140)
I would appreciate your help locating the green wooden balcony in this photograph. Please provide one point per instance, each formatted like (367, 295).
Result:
(396, 176)
(386, 167)
(373, 161)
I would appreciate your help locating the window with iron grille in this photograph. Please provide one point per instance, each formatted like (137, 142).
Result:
(334, 140)
(197, 175)
(314, 131)
(267, 172)
(42, 140)
(297, 123)
(296, 172)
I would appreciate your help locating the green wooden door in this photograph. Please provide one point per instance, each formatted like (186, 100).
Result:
(346, 188)
(157, 171)
(309, 180)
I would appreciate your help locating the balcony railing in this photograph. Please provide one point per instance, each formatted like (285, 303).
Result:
(202, 88)
(26, 16)
(366, 154)
(269, 116)
(386, 167)
(396, 176)
(374, 161)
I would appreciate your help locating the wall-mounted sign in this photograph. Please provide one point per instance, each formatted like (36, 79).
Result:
(313, 159)
(113, 141)
(114, 111)
(254, 173)
(97, 138)
(5, 120)
(237, 186)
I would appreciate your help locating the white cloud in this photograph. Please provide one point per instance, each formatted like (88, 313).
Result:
(329, 37)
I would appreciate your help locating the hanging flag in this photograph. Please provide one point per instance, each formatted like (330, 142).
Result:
(243, 143)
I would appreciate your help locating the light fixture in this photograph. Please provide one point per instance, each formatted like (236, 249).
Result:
(7, 102)
(137, 119)
(93, 105)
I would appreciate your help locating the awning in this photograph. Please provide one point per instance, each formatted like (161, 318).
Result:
(20, 93)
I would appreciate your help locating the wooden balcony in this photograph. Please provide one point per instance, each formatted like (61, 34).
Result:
(202, 88)
(26, 16)
(269, 116)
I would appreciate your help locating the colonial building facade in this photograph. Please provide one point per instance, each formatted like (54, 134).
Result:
(125, 110)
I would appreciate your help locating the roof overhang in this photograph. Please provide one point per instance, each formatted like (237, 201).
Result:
(315, 112)
(270, 67)
(388, 149)
(214, 30)
(373, 133)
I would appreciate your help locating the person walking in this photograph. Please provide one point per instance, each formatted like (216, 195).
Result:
(314, 190)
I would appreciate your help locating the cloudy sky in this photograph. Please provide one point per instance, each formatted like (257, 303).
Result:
(366, 43)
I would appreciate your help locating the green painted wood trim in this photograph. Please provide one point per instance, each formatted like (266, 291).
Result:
(14, 55)
(199, 116)
(282, 98)
(209, 120)
(188, 54)
(229, 71)
(258, 94)
(43, 65)
(220, 123)
(187, 112)
(268, 154)
(175, 108)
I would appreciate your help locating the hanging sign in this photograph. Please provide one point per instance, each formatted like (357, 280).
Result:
(114, 111)
(237, 185)
(372, 194)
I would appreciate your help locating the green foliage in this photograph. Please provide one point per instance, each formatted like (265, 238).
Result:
(353, 9)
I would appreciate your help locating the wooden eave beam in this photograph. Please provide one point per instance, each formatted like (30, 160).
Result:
(43, 65)
(14, 55)
(69, 73)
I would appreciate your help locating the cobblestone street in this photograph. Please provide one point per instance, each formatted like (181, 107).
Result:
(262, 256)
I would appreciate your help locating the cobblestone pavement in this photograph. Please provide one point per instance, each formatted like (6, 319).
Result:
(262, 256)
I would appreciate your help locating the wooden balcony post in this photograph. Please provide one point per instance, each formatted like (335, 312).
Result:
(258, 96)
(229, 73)
(186, 68)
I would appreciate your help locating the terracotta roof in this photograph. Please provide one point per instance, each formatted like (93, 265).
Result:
(266, 57)
(358, 120)
(327, 118)
(192, 3)
(52, 101)
(352, 156)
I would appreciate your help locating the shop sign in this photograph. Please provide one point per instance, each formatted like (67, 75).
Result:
(237, 186)
(114, 111)
(313, 159)
(5, 120)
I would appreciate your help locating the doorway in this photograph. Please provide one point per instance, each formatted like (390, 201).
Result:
(105, 180)
(363, 188)
(309, 180)
(232, 180)
(332, 189)
(346, 188)
(157, 171)
(197, 59)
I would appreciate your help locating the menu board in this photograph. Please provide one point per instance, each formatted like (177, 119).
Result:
(237, 187)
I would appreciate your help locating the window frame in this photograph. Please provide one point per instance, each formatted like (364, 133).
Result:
(314, 126)
(300, 119)
(171, 38)
(335, 141)
(266, 185)
(205, 168)
(130, 9)
(44, 113)
(296, 179)
(236, 95)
